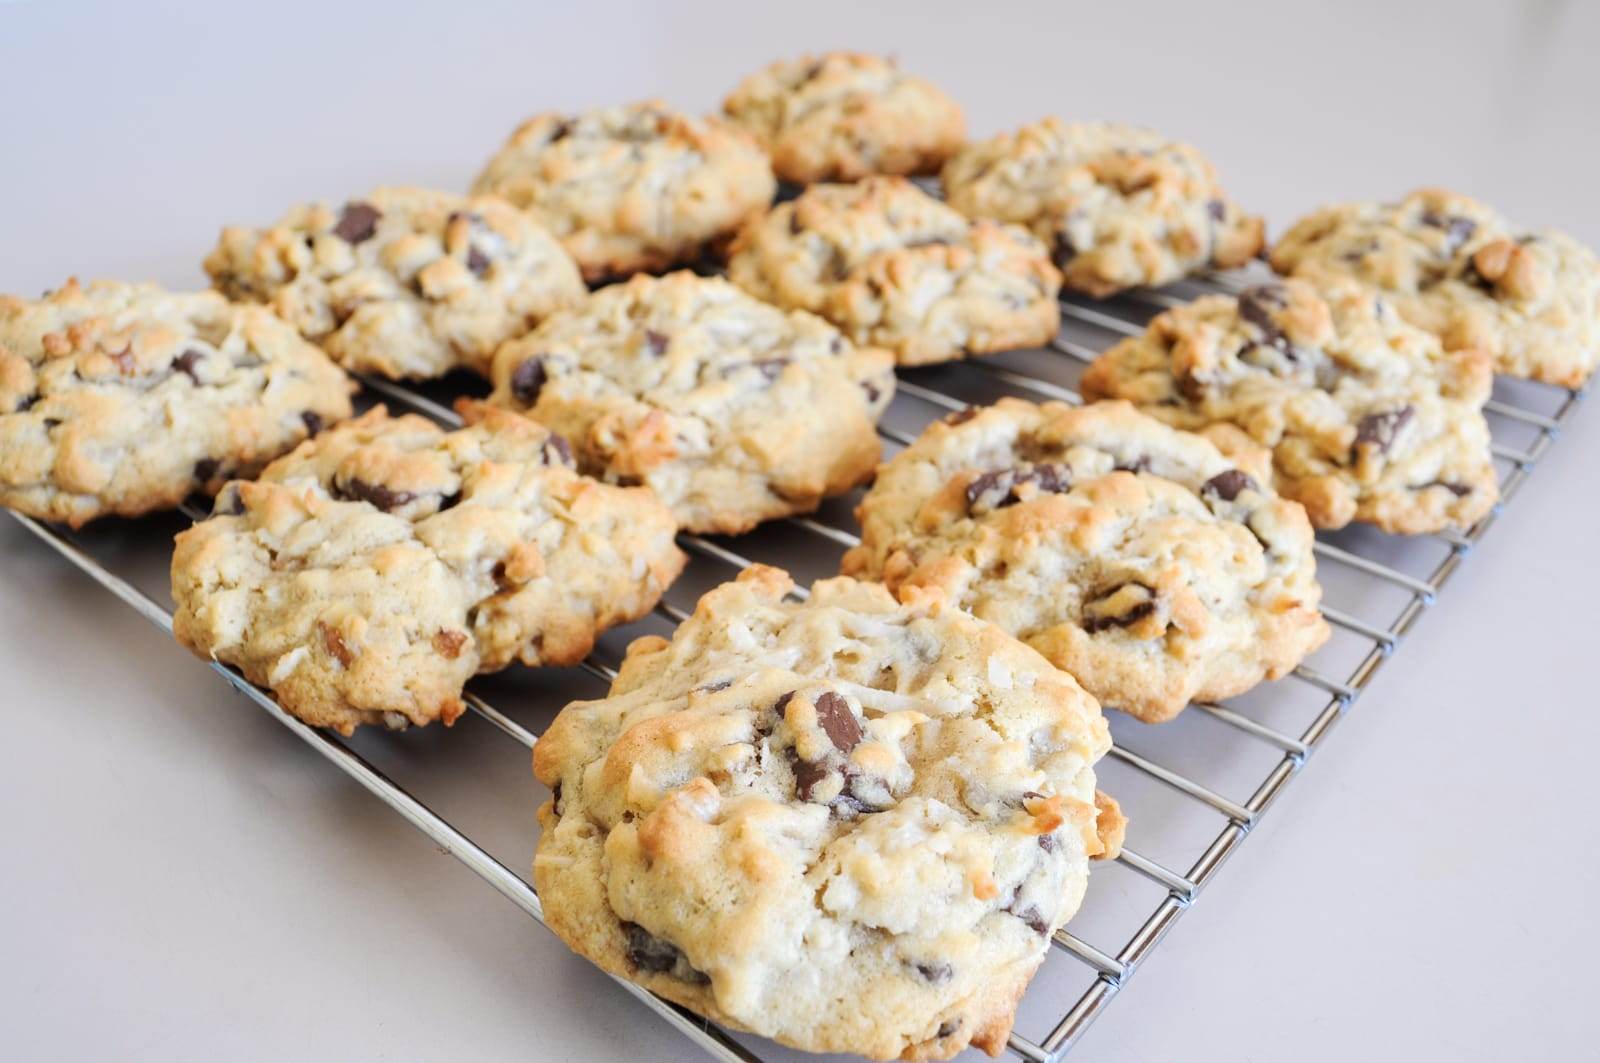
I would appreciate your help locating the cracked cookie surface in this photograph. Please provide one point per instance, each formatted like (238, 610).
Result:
(123, 399)
(896, 268)
(406, 283)
(844, 115)
(1453, 266)
(365, 577)
(850, 824)
(1368, 418)
(1156, 566)
(1119, 206)
(732, 410)
(639, 187)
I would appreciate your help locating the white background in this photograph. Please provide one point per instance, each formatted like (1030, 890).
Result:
(182, 880)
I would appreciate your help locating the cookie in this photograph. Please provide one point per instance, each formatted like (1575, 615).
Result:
(366, 576)
(732, 410)
(1453, 266)
(1119, 206)
(641, 187)
(849, 824)
(844, 115)
(406, 283)
(1156, 566)
(122, 399)
(896, 268)
(1367, 418)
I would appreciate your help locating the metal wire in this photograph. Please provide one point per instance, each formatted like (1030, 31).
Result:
(1112, 969)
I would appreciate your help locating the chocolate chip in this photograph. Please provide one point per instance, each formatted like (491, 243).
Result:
(948, 1028)
(313, 421)
(645, 951)
(449, 501)
(1227, 485)
(1217, 209)
(206, 469)
(26, 403)
(358, 222)
(477, 261)
(1458, 230)
(377, 494)
(561, 131)
(838, 722)
(185, 363)
(1381, 429)
(1139, 464)
(1062, 251)
(657, 341)
(1031, 917)
(528, 380)
(783, 702)
(871, 389)
(556, 451)
(1459, 490)
(998, 489)
(935, 973)
(961, 416)
(807, 776)
(1115, 608)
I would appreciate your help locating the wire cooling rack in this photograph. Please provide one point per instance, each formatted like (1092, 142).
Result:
(1193, 788)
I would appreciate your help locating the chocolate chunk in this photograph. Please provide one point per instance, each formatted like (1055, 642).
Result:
(657, 342)
(1458, 230)
(935, 972)
(26, 403)
(377, 494)
(358, 222)
(449, 501)
(477, 261)
(795, 228)
(1139, 464)
(527, 380)
(998, 489)
(961, 416)
(838, 722)
(1121, 606)
(872, 390)
(1217, 209)
(562, 130)
(1256, 306)
(185, 363)
(556, 451)
(947, 1028)
(1227, 485)
(1062, 251)
(783, 702)
(555, 797)
(206, 469)
(228, 503)
(313, 421)
(807, 776)
(1381, 429)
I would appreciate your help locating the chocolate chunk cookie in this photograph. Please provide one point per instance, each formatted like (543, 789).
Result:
(849, 824)
(124, 399)
(894, 267)
(1119, 206)
(1453, 266)
(366, 576)
(404, 283)
(1368, 418)
(633, 188)
(734, 411)
(1149, 563)
(844, 115)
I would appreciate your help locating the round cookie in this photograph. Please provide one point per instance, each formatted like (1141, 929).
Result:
(123, 399)
(369, 574)
(849, 824)
(406, 283)
(1453, 266)
(1147, 562)
(844, 115)
(1119, 206)
(641, 187)
(896, 268)
(1368, 418)
(732, 410)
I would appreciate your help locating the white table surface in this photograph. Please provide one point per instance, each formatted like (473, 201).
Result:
(184, 881)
